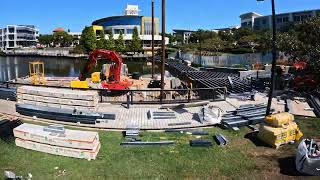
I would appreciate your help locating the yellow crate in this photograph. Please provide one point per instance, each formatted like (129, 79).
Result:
(79, 84)
(95, 77)
(276, 136)
(280, 119)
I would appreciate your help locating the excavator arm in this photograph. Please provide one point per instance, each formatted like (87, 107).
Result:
(101, 54)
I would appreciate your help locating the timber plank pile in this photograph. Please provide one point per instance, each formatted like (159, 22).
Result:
(70, 143)
(58, 98)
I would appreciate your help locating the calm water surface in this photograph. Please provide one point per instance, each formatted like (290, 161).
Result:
(14, 67)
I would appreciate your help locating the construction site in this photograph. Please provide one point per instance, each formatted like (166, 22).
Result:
(209, 105)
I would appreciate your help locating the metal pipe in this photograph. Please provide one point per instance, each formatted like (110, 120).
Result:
(152, 41)
(163, 47)
(274, 58)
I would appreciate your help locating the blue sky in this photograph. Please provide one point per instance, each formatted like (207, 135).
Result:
(186, 14)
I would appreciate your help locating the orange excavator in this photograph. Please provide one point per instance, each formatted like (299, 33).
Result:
(113, 80)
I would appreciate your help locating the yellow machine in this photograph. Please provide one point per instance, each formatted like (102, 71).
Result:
(36, 72)
(279, 129)
(79, 84)
(95, 77)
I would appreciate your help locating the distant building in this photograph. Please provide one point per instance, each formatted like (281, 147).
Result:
(226, 29)
(260, 22)
(126, 24)
(76, 35)
(18, 36)
(184, 34)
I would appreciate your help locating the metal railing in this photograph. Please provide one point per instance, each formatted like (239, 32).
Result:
(146, 96)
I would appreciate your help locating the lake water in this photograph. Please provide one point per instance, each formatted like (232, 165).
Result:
(14, 67)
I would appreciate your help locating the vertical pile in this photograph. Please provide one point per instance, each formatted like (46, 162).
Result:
(56, 140)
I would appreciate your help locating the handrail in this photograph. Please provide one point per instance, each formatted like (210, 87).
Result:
(133, 90)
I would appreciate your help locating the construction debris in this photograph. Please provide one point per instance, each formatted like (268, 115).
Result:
(201, 143)
(314, 101)
(212, 116)
(132, 131)
(184, 105)
(220, 139)
(180, 124)
(72, 143)
(308, 157)
(244, 115)
(144, 143)
(7, 126)
(161, 115)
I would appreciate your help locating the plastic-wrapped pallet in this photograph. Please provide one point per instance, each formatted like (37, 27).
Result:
(280, 119)
(277, 136)
(71, 143)
(58, 97)
(57, 150)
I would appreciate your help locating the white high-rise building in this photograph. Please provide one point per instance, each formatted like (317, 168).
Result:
(132, 10)
(18, 36)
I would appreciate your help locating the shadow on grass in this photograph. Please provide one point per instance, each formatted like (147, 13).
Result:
(287, 166)
(253, 137)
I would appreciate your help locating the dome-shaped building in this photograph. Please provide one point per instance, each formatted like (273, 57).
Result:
(126, 25)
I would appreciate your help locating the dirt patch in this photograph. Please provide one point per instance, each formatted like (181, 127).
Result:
(273, 163)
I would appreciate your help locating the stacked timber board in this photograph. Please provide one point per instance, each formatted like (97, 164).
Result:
(58, 98)
(245, 115)
(73, 143)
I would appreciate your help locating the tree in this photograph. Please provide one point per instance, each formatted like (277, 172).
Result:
(110, 43)
(62, 38)
(120, 43)
(45, 39)
(135, 44)
(88, 40)
(213, 44)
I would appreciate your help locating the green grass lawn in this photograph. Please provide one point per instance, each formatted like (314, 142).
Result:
(241, 159)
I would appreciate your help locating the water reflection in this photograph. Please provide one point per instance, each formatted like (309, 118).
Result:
(14, 67)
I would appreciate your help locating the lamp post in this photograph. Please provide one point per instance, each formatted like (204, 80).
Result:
(163, 47)
(200, 51)
(274, 57)
(152, 41)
